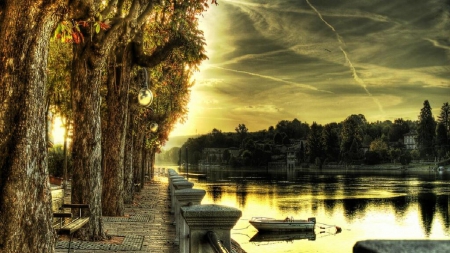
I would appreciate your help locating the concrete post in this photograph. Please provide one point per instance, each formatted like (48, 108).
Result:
(185, 197)
(171, 172)
(171, 178)
(179, 185)
(204, 218)
(172, 192)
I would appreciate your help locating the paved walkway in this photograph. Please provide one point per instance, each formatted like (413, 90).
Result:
(146, 227)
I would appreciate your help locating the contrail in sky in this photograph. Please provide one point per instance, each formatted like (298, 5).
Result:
(352, 68)
(274, 78)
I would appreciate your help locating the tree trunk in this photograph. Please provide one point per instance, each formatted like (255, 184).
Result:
(86, 149)
(25, 199)
(115, 133)
(138, 158)
(144, 166)
(129, 155)
(152, 163)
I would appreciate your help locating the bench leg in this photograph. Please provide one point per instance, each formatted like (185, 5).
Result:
(70, 242)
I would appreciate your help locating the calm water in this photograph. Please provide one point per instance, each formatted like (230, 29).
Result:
(372, 205)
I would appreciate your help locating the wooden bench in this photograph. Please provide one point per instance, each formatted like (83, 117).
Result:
(64, 222)
(67, 223)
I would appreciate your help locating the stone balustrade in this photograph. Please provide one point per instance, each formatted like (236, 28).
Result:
(194, 222)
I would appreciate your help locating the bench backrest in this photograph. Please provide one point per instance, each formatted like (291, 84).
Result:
(57, 201)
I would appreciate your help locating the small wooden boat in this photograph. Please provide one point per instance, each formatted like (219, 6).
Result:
(264, 224)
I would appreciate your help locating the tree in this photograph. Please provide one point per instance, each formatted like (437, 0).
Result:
(25, 200)
(315, 147)
(397, 130)
(426, 130)
(380, 147)
(372, 158)
(301, 153)
(443, 130)
(126, 33)
(444, 116)
(330, 141)
(278, 138)
(242, 131)
(441, 140)
(405, 158)
(352, 133)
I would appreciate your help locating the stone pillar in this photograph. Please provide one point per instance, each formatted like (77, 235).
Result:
(172, 192)
(204, 218)
(171, 179)
(171, 172)
(185, 197)
(179, 185)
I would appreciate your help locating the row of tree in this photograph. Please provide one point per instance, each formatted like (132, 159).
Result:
(87, 75)
(352, 140)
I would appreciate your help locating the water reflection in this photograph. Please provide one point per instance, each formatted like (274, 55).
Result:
(369, 205)
(287, 237)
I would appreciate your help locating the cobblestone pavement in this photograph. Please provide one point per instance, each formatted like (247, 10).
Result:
(146, 227)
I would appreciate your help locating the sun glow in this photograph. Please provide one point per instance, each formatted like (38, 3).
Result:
(58, 130)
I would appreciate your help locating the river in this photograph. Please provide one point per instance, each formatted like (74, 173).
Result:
(366, 205)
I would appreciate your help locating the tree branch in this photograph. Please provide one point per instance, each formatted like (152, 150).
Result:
(109, 8)
(159, 55)
(147, 12)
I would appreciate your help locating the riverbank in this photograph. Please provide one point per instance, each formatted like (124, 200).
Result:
(384, 167)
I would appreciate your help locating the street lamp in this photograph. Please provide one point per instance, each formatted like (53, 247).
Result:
(145, 96)
(153, 127)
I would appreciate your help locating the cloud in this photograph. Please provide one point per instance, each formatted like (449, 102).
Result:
(304, 86)
(283, 59)
(258, 108)
(352, 68)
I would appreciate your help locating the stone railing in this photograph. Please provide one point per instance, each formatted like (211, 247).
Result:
(199, 228)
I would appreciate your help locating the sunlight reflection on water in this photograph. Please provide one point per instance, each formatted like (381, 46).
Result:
(391, 205)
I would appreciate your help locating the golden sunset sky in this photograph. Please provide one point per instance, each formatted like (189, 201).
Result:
(319, 60)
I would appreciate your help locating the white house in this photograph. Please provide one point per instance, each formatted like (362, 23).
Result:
(410, 140)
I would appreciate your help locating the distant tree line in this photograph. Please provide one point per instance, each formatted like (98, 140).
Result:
(352, 141)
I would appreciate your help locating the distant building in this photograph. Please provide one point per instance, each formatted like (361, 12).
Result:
(234, 152)
(410, 140)
(213, 155)
(291, 158)
(364, 148)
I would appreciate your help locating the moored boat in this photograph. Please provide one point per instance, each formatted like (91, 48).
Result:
(264, 224)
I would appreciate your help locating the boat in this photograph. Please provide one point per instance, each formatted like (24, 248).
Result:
(265, 224)
(309, 235)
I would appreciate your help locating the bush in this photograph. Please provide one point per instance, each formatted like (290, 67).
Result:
(56, 161)
(372, 158)
(405, 158)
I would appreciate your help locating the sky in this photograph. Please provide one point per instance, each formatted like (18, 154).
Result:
(319, 61)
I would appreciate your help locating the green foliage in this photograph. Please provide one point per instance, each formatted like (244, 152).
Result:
(327, 143)
(56, 161)
(380, 147)
(444, 116)
(315, 148)
(415, 154)
(426, 130)
(294, 129)
(398, 129)
(170, 156)
(372, 158)
(330, 141)
(405, 158)
(352, 133)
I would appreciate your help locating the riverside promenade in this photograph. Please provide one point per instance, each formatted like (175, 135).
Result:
(146, 227)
